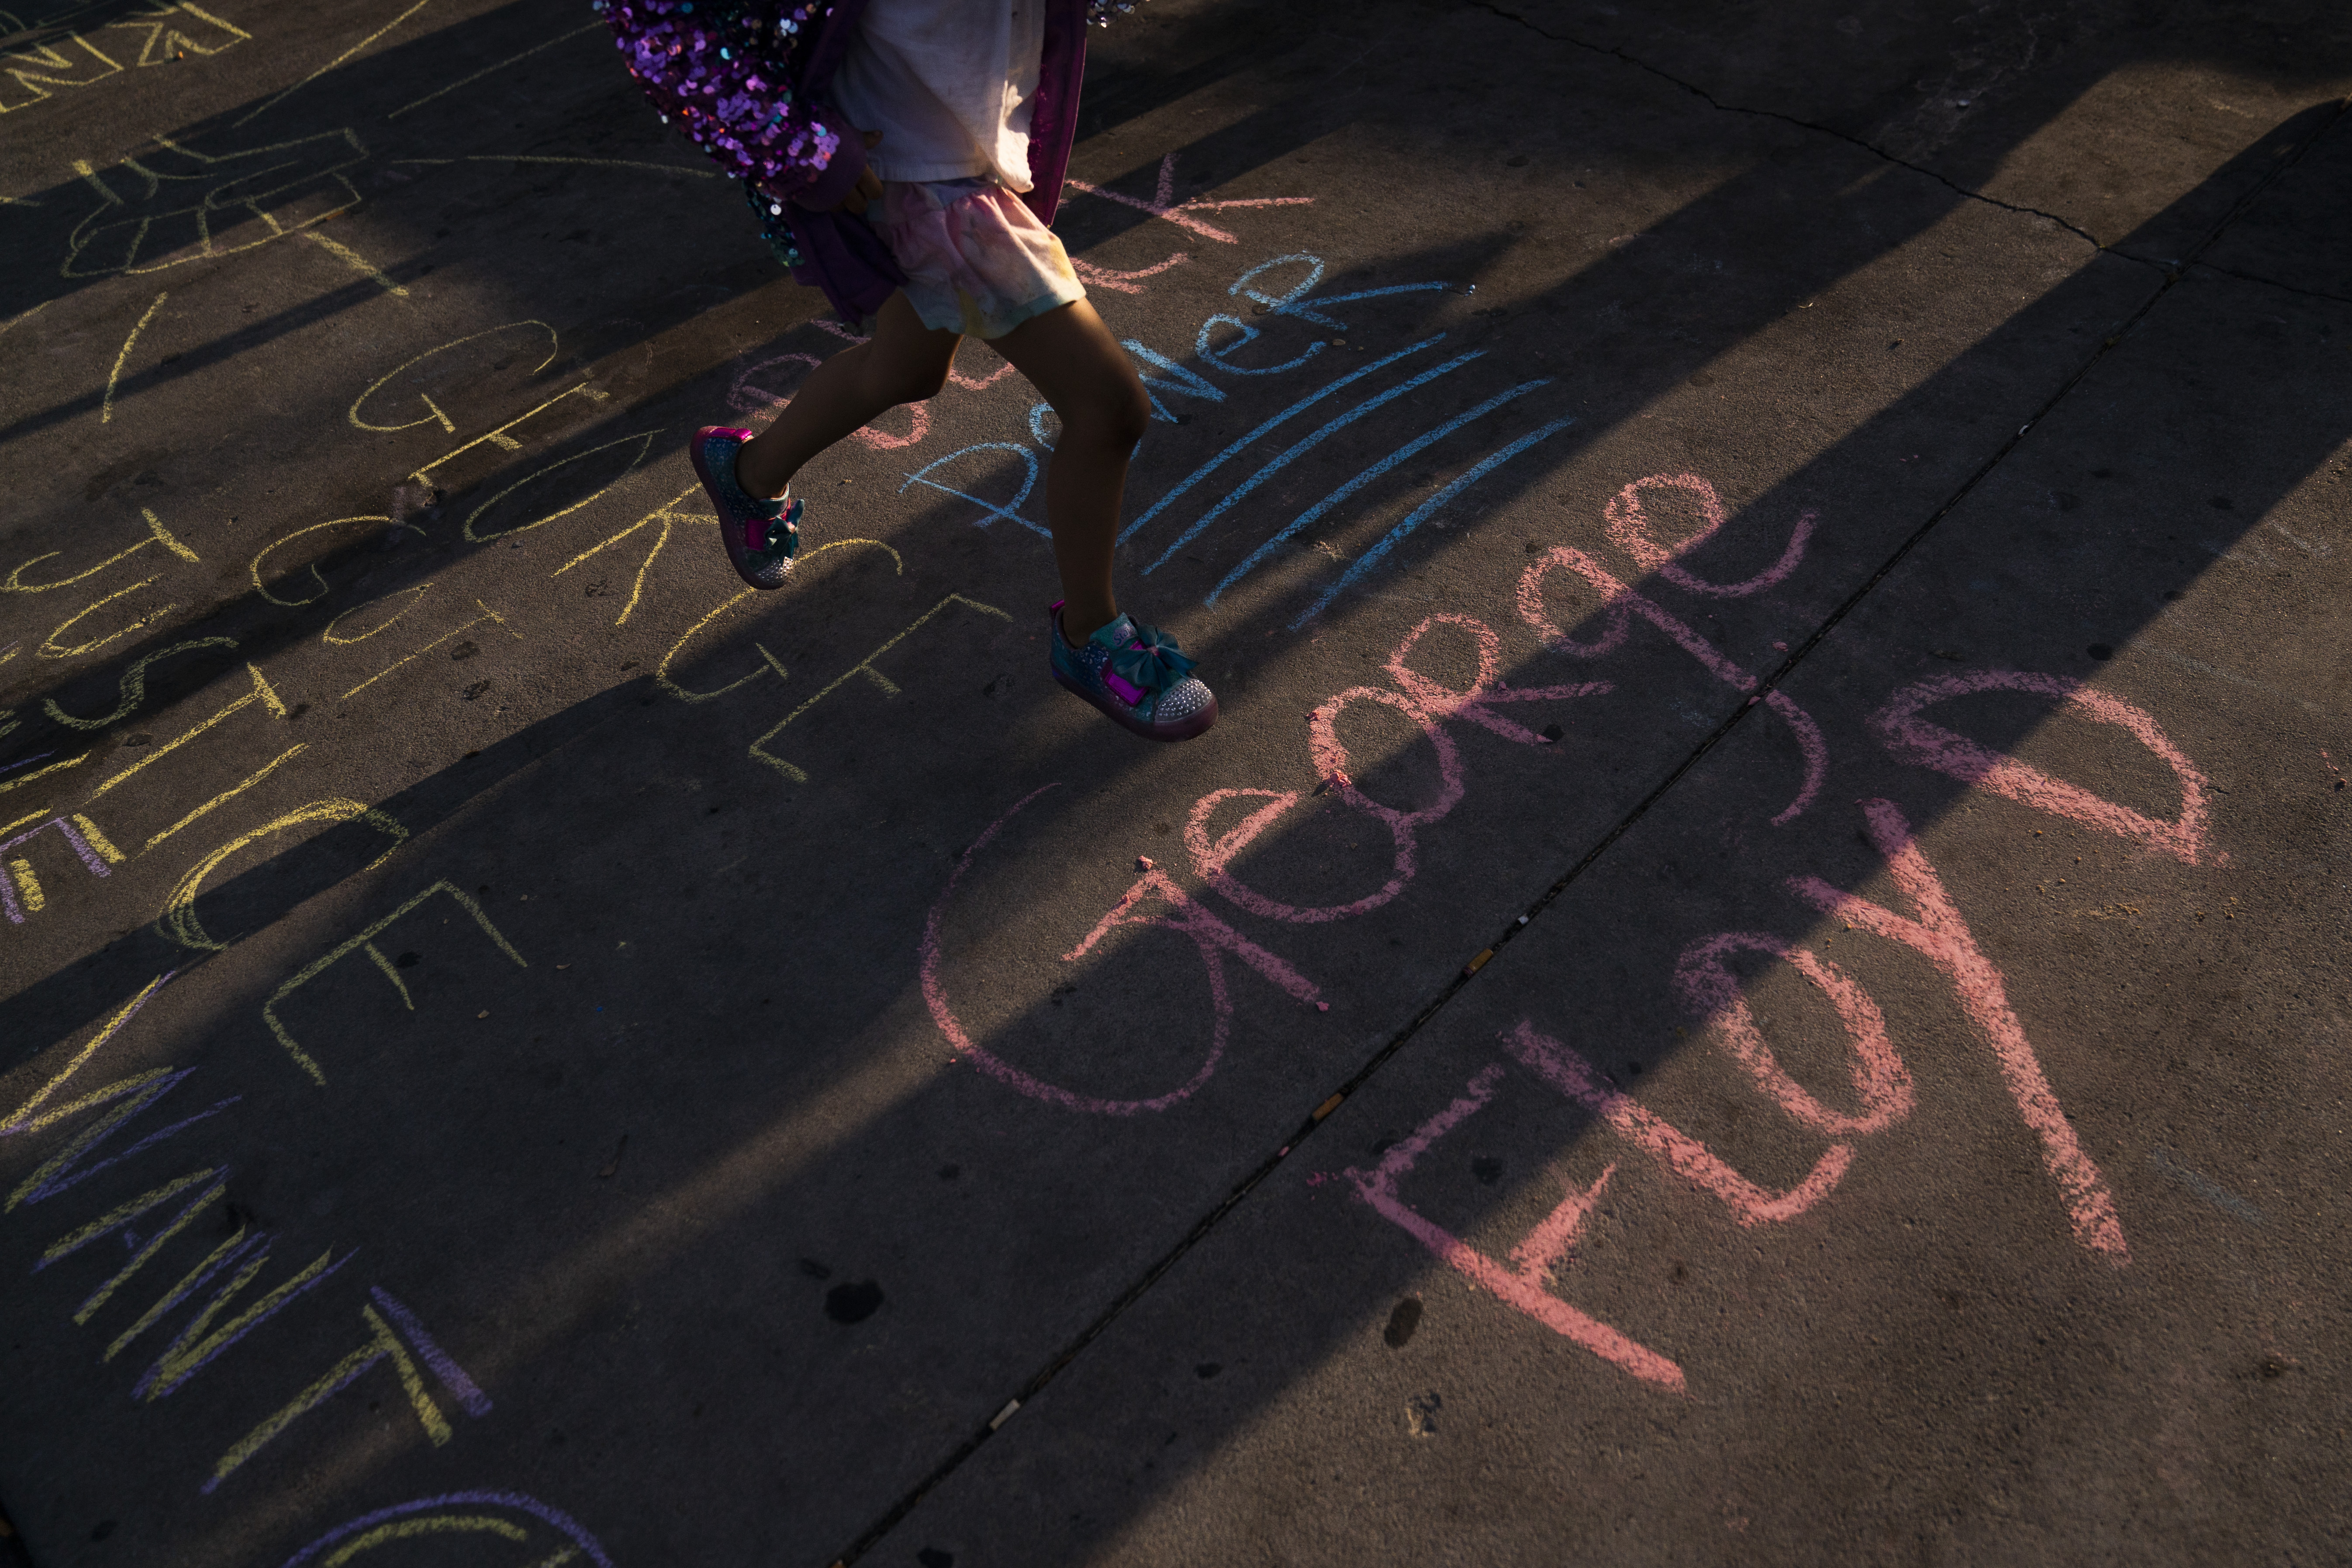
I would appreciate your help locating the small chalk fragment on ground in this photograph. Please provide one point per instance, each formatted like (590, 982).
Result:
(1322, 1006)
(1523, 920)
(1754, 700)
(483, 1014)
(1329, 1106)
(1477, 964)
(1001, 1417)
(1143, 862)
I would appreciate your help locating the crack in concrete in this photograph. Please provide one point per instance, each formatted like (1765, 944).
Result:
(2272, 283)
(1848, 137)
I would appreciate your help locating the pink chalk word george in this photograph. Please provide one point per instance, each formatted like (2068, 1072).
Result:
(1620, 605)
(1629, 526)
(1914, 739)
(1428, 703)
(1212, 936)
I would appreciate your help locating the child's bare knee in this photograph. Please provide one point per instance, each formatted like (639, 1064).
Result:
(1115, 424)
(914, 388)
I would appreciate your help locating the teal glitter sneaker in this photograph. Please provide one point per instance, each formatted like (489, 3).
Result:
(762, 536)
(1137, 675)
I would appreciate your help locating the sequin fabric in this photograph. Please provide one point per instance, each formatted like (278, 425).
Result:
(1179, 709)
(720, 71)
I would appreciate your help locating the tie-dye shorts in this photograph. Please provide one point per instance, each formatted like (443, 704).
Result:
(976, 258)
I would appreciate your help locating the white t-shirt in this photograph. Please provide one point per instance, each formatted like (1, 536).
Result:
(948, 83)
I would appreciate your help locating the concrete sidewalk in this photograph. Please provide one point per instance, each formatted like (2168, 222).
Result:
(1754, 971)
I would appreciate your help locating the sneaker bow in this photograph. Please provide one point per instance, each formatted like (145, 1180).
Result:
(1152, 662)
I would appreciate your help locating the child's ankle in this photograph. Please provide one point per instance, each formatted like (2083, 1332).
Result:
(1077, 639)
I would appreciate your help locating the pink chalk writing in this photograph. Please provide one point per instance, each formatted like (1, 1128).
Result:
(751, 401)
(1426, 702)
(1680, 1153)
(1128, 282)
(1620, 603)
(1519, 1282)
(1629, 525)
(1163, 204)
(1478, 703)
(1944, 938)
(1880, 1079)
(1212, 936)
(1914, 739)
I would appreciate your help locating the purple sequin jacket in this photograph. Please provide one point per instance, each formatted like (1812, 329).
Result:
(750, 82)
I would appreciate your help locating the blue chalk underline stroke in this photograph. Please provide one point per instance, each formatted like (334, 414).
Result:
(1304, 445)
(1418, 443)
(1422, 513)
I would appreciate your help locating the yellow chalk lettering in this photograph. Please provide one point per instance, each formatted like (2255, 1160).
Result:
(487, 615)
(104, 1293)
(263, 588)
(133, 685)
(163, 41)
(366, 939)
(382, 1345)
(7, 785)
(863, 667)
(355, 261)
(106, 408)
(51, 649)
(328, 635)
(194, 1347)
(661, 670)
(261, 693)
(156, 535)
(28, 886)
(171, 1297)
(34, 71)
(667, 516)
(124, 1213)
(645, 445)
(225, 796)
(378, 385)
(498, 437)
(90, 1136)
(178, 923)
(23, 1120)
(392, 973)
(97, 840)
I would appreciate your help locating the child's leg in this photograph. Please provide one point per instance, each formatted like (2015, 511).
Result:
(1070, 356)
(903, 362)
